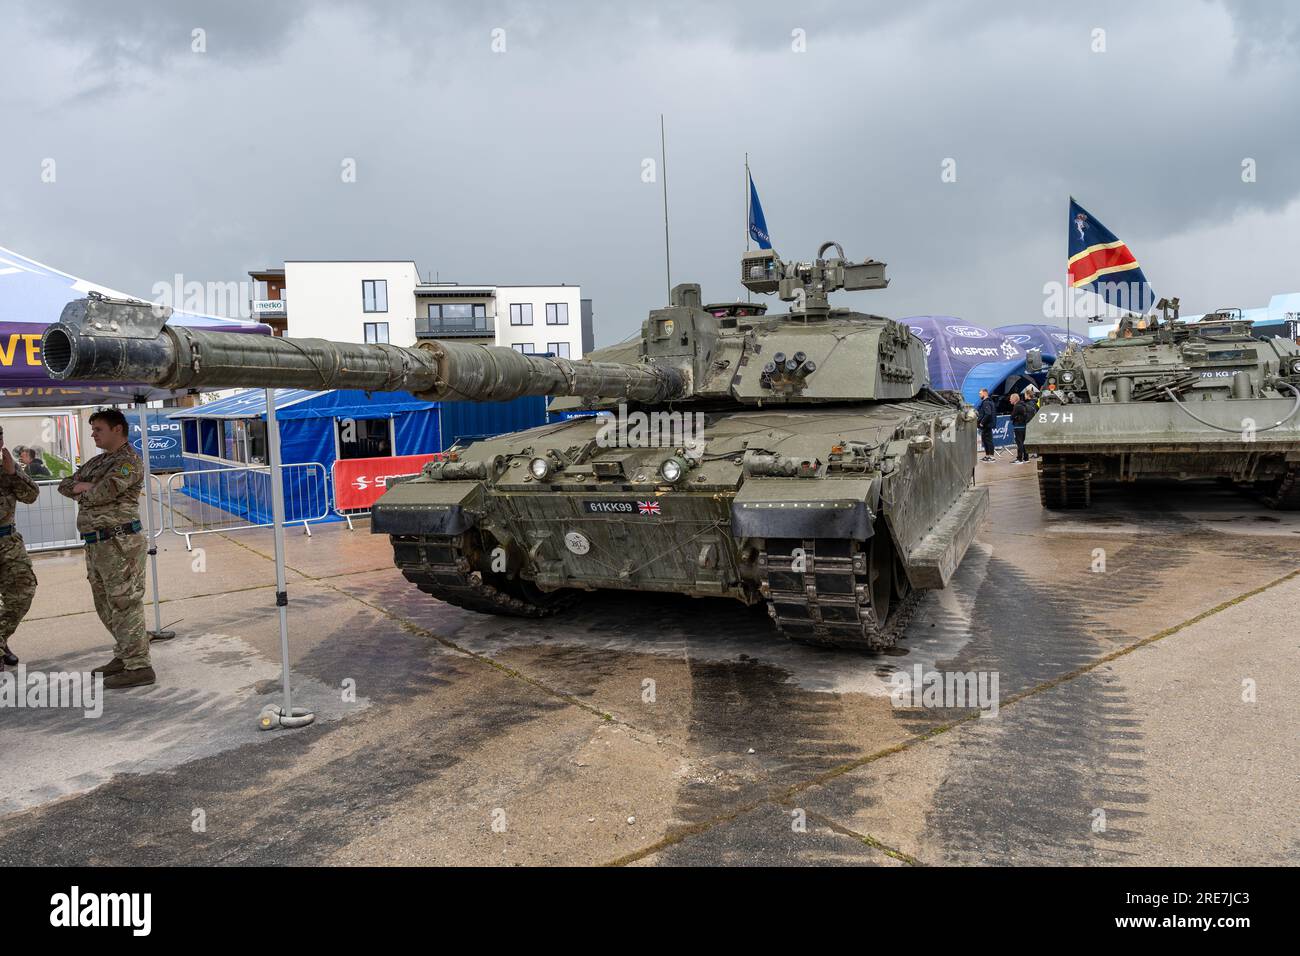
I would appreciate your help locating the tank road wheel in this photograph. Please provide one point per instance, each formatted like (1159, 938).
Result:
(831, 592)
(1281, 493)
(447, 568)
(1065, 482)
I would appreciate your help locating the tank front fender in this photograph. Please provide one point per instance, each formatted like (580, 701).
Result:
(805, 508)
(427, 508)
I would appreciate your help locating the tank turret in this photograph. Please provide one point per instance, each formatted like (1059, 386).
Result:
(688, 351)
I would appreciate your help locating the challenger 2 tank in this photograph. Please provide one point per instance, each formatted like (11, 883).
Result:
(1162, 398)
(797, 460)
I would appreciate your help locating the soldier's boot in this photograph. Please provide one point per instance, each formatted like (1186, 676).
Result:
(115, 666)
(8, 658)
(139, 677)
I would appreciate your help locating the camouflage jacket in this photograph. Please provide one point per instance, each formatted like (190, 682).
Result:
(118, 478)
(13, 489)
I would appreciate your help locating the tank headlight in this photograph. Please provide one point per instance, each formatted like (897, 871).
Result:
(1067, 377)
(541, 468)
(1295, 367)
(672, 469)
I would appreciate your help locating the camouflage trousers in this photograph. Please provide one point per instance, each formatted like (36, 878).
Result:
(17, 585)
(116, 571)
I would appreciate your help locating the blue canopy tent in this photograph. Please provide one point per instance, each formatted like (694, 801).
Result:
(965, 357)
(32, 297)
(229, 434)
(1051, 340)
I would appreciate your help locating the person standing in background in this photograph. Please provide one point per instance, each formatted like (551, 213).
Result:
(1021, 413)
(32, 462)
(988, 417)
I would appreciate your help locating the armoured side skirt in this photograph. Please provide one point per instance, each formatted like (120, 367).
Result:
(933, 561)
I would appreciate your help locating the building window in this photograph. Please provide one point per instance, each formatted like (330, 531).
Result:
(374, 295)
(525, 347)
(557, 313)
(234, 442)
(376, 332)
(521, 313)
(558, 349)
(463, 317)
(255, 441)
(210, 438)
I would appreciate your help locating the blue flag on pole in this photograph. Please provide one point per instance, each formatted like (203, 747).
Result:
(1101, 262)
(757, 224)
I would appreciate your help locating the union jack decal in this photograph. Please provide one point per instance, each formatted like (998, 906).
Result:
(648, 507)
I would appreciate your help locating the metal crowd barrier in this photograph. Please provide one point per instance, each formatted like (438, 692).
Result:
(50, 522)
(230, 499)
(158, 496)
(347, 514)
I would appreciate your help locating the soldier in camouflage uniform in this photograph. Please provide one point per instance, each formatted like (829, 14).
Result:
(107, 491)
(17, 580)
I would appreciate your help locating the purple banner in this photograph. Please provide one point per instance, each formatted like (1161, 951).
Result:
(32, 297)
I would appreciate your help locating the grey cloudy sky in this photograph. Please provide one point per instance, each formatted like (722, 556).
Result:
(525, 166)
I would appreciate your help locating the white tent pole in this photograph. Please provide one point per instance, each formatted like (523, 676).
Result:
(285, 715)
(141, 407)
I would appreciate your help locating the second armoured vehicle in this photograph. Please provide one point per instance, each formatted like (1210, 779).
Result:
(799, 460)
(1163, 398)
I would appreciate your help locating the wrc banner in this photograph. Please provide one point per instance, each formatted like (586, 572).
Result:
(359, 482)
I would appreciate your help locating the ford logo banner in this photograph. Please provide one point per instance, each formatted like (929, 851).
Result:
(164, 442)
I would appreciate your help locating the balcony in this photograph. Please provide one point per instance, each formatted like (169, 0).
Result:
(462, 327)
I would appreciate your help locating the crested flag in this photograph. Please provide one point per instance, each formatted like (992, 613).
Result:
(1103, 264)
(757, 224)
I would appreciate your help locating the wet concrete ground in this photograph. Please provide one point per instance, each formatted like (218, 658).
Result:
(1147, 712)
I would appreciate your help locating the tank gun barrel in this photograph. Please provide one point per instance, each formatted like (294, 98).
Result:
(98, 339)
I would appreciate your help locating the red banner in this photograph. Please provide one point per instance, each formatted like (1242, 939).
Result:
(358, 482)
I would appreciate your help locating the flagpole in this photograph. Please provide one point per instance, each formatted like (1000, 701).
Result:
(749, 295)
(663, 172)
(1069, 291)
(748, 209)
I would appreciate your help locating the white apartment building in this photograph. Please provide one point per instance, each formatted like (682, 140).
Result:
(386, 301)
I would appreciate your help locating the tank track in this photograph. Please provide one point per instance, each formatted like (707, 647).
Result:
(1064, 482)
(446, 571)
(1284, 495)
(828, 604)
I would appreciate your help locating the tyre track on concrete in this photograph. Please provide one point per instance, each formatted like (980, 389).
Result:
(704, 814)
(784, 796)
